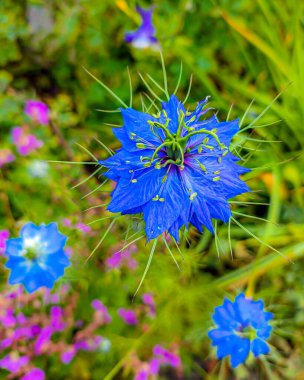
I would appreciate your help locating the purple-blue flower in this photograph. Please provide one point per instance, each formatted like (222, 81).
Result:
(242, 326)
(144, 36)
(175, 168)
(36, 258)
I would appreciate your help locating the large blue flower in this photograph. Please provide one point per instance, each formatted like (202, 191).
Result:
(36, 258)
(144, 36)
(242, 327)
(174, 168)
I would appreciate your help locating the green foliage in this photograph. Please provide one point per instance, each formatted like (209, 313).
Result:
(242, 53)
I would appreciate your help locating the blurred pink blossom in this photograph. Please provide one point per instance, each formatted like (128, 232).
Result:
(25, 143)
(166, 357)
(123, 259)
(34, 374)
(4, 235)
(149, 301)
(83, 228)
(101, 308)
(13, 362)
(128, 316)
(6, 156)
(37, 111)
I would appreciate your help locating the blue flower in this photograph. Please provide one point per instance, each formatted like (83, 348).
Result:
(242, 327)
(174, 168)
(144, 36)
(36, 258)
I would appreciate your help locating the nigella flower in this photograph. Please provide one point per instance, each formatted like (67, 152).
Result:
(37, 111)
(175, 168)
(242, 327)
(144, 36)
(25, 143)
(36, 258)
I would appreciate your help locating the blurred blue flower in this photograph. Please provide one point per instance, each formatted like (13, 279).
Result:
(174, 168)
(144, 36)
(36, 258)
(242, 327)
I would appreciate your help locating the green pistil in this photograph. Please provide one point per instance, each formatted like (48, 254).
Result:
(31, 254)
(248, 332)
(175, 145)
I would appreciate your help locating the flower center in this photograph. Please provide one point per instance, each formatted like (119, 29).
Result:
(32, 249)
(247, 332)
(173, 148)
(31, 253)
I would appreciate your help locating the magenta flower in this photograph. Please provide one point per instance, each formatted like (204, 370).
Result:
(128, 316)
(149, 301)
(25, 143)
(166, 357)
(4, 235)
(34, 374)
(123, 259)
(67, 356)
(38, 111)
(56, 314)
(6, 156)
(13, 362)
(83, 228)
(102, 309)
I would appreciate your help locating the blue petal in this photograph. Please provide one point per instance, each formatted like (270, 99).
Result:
(219, 335)
(52, 240)
(30, 231)
(264, 332)
(14, 247)
(224, 319)
(137, 127)
(227, 345)
(37, 278)
(128, 195)
(172, 109)
(19, 269)
(159, 216)
(243, 308)
(240, 353)
(197, 113)
(54, 263)
(259, 347)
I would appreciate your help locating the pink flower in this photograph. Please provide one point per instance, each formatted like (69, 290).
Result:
(25, 143)
(67, 356)
(166, 357)
(149, 301)
(99, 306)
(37, 111)
(13, 362)
(34, 374)
(6, 156)
(90, 344)
(4, 235)
(114, 261)
(57, 323)
(120, 259)
(83, 228)
(7, 318)
(128, 316)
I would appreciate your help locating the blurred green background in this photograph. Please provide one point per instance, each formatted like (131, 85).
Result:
(249, 56)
